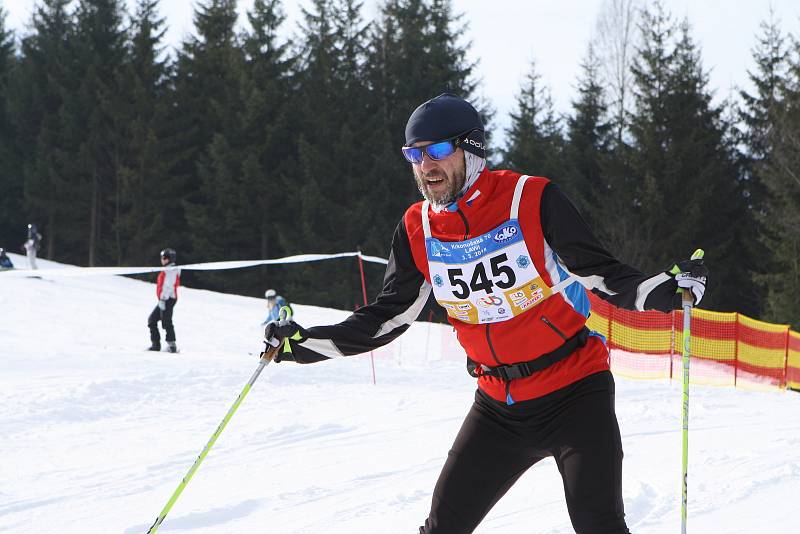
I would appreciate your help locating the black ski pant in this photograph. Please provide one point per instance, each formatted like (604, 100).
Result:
(165, 316)
(497, 443)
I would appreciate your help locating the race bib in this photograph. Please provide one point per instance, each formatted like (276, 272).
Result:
(486, 279)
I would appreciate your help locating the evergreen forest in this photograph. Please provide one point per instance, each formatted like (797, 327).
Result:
(248, 141)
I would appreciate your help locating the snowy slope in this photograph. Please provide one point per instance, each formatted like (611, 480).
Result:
(97, 433)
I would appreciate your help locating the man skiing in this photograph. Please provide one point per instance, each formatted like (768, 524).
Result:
(510, 259)
(167, 293)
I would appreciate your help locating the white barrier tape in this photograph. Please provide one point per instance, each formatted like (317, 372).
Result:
(208, 266)
(374, 259)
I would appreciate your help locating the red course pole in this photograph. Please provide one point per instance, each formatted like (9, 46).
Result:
(364, 291)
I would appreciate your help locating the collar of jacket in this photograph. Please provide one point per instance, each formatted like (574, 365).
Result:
(476, 195)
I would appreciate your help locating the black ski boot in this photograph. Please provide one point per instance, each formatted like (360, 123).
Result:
(172, 347)
(156, 347)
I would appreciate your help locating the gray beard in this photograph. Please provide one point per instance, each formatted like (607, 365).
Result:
(440, 203)
(474, 165)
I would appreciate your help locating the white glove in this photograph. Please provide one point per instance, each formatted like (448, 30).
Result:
(162, 305)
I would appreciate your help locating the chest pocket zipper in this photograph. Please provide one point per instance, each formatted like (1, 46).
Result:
(555, 329)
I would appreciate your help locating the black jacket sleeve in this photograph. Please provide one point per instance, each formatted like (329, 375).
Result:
(404, 294)
(567, 233)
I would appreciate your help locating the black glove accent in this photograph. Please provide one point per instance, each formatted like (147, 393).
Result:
(276, 332)
(691, 275)
(696, 268)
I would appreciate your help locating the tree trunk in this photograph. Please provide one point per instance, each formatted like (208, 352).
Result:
(93, 219)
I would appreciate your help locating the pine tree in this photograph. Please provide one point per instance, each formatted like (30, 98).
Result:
(416, 51)
(535, 143)
(758, 115)
(414, 54)
(210, 67)
(269, 148)
(44, 80)
(93, 115)
(446, 60)
(759, 112)
(651, 71)
(780, 174)
(11, 179)
(589, 142)
(597, 162)
(688, 180)
(332, 172)
(147, 185)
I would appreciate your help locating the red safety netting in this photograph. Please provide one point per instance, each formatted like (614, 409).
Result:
(727, 349)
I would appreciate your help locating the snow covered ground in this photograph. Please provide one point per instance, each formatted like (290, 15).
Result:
(97, 433)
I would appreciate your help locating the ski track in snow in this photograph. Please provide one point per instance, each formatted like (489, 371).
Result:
(97, 433)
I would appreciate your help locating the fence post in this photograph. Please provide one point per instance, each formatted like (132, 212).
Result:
(364, 291)
(671, 342)
(786, 359)
(736, 350)
(610, 333)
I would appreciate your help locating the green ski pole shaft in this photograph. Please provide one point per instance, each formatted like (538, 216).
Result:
(266, 357)
(687, 320)
(687, 302)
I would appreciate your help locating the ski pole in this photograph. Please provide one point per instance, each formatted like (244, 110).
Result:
(687, 301)
(266, 357)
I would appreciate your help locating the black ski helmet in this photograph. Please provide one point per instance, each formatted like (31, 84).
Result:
(170, 254)
(32, 231)
(445, 117)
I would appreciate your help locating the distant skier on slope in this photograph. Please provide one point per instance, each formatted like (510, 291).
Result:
(32, 245)
(5, 261)
(508, 256)
(274, 304)
(167, 293)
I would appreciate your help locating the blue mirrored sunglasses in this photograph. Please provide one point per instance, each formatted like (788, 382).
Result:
(436, 151)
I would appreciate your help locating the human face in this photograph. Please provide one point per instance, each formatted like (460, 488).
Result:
(440, 181)
(164, 260)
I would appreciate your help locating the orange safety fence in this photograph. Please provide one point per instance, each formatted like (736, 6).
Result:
(727, 349)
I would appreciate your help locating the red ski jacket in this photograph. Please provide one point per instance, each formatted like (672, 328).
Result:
(167, 284)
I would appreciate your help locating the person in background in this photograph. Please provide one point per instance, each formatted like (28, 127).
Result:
(510, 258)
(167, 293)
(5, 261)
(32, 245)
(274, 304)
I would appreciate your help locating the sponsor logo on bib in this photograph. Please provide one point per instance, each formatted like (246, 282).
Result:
(505, 233)
(437, 248)
(491, 300)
